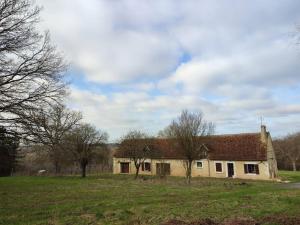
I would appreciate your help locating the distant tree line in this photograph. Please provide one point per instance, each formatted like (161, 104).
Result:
(287, 151)
(64, 138)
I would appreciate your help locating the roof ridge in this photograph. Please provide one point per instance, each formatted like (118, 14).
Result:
(213, 135)
(236, 134)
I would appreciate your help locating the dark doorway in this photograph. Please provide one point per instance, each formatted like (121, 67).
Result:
(163, 169)
(230, 169)
(124, 167)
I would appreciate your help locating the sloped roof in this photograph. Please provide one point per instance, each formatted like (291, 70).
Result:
(233, 147)
(236, 147)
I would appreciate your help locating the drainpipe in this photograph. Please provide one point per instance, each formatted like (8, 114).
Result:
(208, 161)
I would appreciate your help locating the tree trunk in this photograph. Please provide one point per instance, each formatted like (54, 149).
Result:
(83, 169)
(189, 171)
(137, 167)
(294, 165)
(57, 167)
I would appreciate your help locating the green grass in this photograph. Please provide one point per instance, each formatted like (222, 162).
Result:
(290, 175)
(116, 199)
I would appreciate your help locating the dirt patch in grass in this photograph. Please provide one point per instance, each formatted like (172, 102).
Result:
(278, 220)
(292, 185)
(240, 221)
(199, 222)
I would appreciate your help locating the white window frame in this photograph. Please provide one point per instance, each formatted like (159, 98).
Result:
(221, 166)
(252, 163)
(201, 164)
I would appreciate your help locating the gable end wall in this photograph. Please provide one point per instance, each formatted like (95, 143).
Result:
(273, 170)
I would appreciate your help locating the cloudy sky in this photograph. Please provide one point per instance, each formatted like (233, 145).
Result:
(137, 64)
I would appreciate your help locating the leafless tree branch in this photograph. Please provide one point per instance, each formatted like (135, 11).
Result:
(186, 131)
(136, 145)
(31, 69)
(83, 141)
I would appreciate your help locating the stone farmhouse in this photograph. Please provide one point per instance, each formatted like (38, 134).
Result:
(244, 156)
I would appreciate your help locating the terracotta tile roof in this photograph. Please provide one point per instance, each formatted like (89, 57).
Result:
(236, 147)
(233, 147)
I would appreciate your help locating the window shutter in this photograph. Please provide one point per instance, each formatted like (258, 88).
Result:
(257, 169)
(245, 168)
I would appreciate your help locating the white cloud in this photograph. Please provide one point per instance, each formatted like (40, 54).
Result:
(133, 110)
(242, 60)
(138, 110)
(93, 36)
(268, 67)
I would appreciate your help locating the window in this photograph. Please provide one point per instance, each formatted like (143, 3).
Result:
(251, 168)
(199, 164)
(219, 168)
(146, 166)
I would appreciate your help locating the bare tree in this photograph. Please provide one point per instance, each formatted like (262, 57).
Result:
(31, 70)
(167, 132)
(187, 130)
(289, 146)
(48, 127)
(83, 141)
(136, 146)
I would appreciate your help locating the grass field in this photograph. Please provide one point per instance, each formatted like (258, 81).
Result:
(116, 199)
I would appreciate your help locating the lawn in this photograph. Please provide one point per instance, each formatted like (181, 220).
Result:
(116, 199)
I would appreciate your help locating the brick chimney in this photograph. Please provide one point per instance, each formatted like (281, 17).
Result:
(263, 134)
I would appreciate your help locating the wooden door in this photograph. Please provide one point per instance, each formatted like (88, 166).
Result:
(230, 169)
(124, 167)
(163, 169)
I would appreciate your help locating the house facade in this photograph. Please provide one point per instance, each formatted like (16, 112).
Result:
(244, 156)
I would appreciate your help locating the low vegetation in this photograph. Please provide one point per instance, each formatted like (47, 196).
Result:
(290, 176)
(119, 199)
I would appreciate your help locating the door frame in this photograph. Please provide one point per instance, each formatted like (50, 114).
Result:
(128, 167)
(234, 169)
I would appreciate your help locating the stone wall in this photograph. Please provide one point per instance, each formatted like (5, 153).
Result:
(208, 169)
